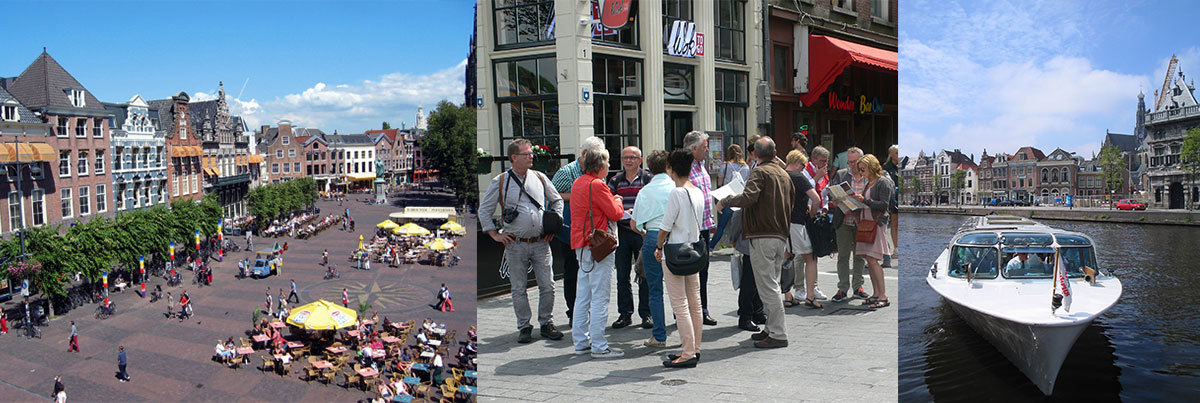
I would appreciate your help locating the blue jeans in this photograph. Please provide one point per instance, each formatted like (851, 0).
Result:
(591, 301)
(654, 280)
(722, 220)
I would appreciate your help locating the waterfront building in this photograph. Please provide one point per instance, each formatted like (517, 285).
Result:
(1022, 171)
(946, 163)
(1056, 176)
(984, 193)
(1175, 111)
(224, 142)
(80, 125)
(28, 160)
(1090, 179)
(183, 146)
(923, 170)
(139, 159)
(831, 68)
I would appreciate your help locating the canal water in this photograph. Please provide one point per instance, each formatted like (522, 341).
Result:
(1146, 348)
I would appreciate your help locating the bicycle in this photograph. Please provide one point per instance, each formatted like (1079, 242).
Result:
(32, 331)
(103, 313)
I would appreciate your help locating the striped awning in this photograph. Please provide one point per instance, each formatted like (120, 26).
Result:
(257, 159)
(27, 152)
(187, 151)
(45, 152)
(242, 160)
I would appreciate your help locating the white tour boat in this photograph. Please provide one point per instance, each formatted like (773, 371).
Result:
(999, 273)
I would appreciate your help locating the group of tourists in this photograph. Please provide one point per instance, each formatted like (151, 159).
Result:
(664, 215)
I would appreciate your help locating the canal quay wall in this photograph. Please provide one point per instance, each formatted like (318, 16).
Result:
(1157, 217)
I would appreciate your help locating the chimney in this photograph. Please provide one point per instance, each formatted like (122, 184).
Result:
(264, 129)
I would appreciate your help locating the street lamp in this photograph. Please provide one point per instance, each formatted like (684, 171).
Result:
(35, 170)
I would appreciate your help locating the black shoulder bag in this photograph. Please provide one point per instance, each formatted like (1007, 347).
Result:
(686, 258)
(551, 221)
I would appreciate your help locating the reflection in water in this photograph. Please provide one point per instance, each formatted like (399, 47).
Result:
(1147, 347)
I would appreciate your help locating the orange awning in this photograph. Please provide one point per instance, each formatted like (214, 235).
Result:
(45, 152)
(829, 56)
(6, 153)
(196, 151)
(26, 153)
(257, 159)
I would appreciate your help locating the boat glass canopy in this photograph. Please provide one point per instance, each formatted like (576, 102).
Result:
(978, 259)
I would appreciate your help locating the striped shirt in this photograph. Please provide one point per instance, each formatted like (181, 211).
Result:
(699, 177)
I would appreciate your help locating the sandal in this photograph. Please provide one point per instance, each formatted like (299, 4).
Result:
(880, 303)
(790, 302)
(811, 303)
(870, 301)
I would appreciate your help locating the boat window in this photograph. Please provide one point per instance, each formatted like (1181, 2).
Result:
(978, 239)
(1068, 239)
(1019, 239)
(978, 259)
(1076, 258)
(1028, 263)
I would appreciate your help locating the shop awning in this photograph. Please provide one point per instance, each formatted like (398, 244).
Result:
(25, 153)
(240, 160)
(256, 159)
(828, 57)
(359, 177)
(45, 152)
(184, 151)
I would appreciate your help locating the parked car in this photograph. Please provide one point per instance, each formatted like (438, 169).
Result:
(1129, 204)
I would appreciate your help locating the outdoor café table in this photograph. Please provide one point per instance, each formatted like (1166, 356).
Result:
(390, 339)
(439, 331)
(261, 338)
(378, 353)
(399, 325)
(367, 322)
(471, 374)
(295, 344)
(335, 350)
(322, 364)
(426, 354)
(352, 333)
(435, 343)
(368, 372)
(420, 367)
(402, 398)
(412, 380)
(466, 389)
(245, 350)
(278, 325)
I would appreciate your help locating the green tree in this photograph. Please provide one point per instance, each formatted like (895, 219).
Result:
(937, 187)
(1190, 157)
(450, 148)
(958, 181)
(387, 125)
(1113, 171)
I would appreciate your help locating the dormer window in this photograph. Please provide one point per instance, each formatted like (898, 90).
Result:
(76, 97)
(9, 113)
(286, 141)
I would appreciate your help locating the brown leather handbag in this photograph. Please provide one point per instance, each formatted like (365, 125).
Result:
(866, 226)
(600, 242)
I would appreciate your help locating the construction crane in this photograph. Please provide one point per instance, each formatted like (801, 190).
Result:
(1163, 98)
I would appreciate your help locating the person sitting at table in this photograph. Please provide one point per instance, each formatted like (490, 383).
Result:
(405, 355)
(223, 356)
(376, 343)
(471, 333)
(422, 338)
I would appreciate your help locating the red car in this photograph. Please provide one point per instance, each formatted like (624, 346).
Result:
(1129, 204)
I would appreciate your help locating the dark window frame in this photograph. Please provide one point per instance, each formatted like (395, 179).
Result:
(739, 28)
(544, 101)
(669, 19)
(691, 94)
(740, 102)
(518, 44)
(630, 30)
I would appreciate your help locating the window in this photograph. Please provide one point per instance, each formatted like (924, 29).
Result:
(67, 211)
(618, 104)
(64, 163)
(781, 68)
(62, 127)
(523, 23)
(97, 128)
(291, 153)
(85, 201)
(527, 100)
(731, 30)
(679, 83)
(296, 167)
(732, 93)
(844, 5)
(83, 163)
(286, 141)
(195, 183)
(81, 127)
(77, 98)
(10, 113)
(879, 9)
(279, 153)
(626, 35)
(275, 168)
(39, 206)
(101, 198)
(99, 161)
(674, 10)
(1045, 175)
(15, 215)
(174, 186)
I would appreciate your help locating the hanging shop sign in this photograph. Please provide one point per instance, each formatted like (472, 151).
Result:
(617, 13)
(849, 104)
(684, 40)
(600, 28)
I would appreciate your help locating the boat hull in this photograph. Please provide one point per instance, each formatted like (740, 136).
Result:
(1037, 350)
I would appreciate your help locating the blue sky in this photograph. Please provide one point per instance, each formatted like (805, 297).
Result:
(1003, 74)
(345, 66)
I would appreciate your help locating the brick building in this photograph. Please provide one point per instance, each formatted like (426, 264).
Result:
(183, 147)
(29, 162)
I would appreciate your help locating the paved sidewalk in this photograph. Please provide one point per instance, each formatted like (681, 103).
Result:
(840, 352)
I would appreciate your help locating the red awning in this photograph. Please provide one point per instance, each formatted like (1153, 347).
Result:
(828, 57)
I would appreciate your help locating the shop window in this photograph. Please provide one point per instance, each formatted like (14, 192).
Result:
(781, 68)
(731, 30)
(520, 23)
(675, 10)
(879, 9)
(732, 96)
(626, 36)
(527, 99)
(618, 121)
(679, 84)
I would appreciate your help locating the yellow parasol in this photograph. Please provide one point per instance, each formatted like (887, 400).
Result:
(452, 226)
(411, 229)
(360, 241)
(388, 224)
(322, 315)
(439, 244)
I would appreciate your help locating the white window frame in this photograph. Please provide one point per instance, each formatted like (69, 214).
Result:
(20, 210)
(174, 186)
(67, 203)
(279, 153)
(275, 168)
(10, 113)
(195, 183)
(61, 161)
(286, 141)
(38, 197)
(99, 162)
(296, 167)
(101, 199)
(291, 153)
(98, 128)
(82, 163)
(85, 201)
(882, 11)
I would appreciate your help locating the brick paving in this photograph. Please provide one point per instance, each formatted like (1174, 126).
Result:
(837, 353)
(170, 360)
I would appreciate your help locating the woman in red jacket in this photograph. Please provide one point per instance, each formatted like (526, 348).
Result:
(593, 207)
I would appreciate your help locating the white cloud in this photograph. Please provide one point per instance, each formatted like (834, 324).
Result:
(356, 107)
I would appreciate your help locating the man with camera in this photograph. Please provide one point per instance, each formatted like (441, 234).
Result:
(525, 196)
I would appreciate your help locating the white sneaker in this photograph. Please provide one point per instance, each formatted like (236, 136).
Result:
(819, 294)
(584, 351)
(802, 294)
(610, 353)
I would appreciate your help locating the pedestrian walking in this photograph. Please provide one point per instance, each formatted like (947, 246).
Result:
(170, 308)
(3, 322)
(345, 298)
(268, 302)
(293, 293)
(60, 390)
(74, 341)
(325, 258)
(123, 374)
